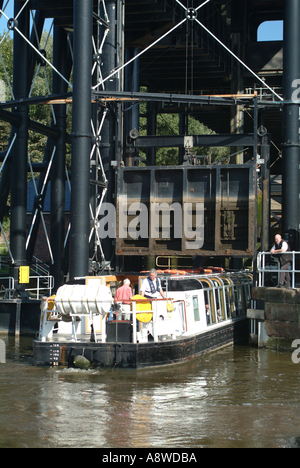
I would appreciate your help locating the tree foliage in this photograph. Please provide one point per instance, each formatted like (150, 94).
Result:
(42, 85)
(167, 124)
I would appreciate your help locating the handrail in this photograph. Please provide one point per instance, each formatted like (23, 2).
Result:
(39, 287)
(40, 267)
(11, 285)
(262, 270)
(134, 314)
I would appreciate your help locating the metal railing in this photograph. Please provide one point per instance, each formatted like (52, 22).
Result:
(8, 292)
(40, 284)
(39, 267)
(44, 284)
(153, 326)
(264, 269)
(4, 261)
(264, 94)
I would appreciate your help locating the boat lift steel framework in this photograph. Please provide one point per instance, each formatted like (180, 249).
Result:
(92, 49)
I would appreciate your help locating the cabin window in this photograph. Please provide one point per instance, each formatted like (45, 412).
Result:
(207, 307)
(220, 306)
(219, 302)
(236, 303)
(196, 308)
(232, 303)
(213, 307)
(241, 300)
(181, 315)
(186, 285)
(210, 307)
(247, 295)
(230, 313)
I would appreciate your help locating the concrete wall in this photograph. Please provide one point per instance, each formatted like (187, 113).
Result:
(282, 316)
(20, 317)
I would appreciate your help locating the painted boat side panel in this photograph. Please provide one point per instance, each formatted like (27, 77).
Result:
(130, 355)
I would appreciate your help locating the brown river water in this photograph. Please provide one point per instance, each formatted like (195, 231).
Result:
(236, 397)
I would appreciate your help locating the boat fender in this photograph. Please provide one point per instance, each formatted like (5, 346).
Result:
(80, 362)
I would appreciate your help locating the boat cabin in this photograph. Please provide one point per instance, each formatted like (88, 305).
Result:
(194, 304)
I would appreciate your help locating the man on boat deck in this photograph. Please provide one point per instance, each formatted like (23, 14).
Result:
(151, 287)
(123, 295)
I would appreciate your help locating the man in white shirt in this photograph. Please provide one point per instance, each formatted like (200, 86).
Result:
(151, 287)
(285, 260)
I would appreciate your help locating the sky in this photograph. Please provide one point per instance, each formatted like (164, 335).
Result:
(9, 13)
(270, 31)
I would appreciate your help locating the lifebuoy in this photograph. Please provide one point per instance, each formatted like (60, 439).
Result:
(181, 272)
(159, 272)
(218, 270)
(206, 271)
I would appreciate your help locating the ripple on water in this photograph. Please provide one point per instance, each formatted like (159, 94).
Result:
(237, 397)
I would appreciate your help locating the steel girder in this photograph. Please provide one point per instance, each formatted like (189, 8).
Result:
(88, 37)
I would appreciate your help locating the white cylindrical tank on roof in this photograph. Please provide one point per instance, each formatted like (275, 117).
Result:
(83, 300)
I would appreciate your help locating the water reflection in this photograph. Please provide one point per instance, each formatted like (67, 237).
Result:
(237, 397)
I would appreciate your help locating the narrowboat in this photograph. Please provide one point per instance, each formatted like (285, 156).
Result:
(200, 313)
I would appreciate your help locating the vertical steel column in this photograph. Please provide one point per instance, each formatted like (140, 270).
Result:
(57, 229)
(151, 130)
(109, 130)
(19, 153)
(266, 192)
(132, 83)
(290, 164)
(183, 130)
(5, 183)
(81, 147)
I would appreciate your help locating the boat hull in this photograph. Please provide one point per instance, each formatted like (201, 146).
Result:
(130, 355)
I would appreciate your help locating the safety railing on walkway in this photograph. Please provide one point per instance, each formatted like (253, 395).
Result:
(268, 271)
(40, 286)
(39, 267)
(7, 287)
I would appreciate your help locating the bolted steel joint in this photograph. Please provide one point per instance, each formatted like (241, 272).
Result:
(191, 14)
(12, 24)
